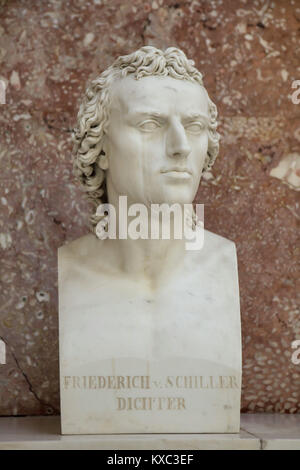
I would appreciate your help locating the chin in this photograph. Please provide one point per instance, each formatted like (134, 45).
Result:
(181, 197)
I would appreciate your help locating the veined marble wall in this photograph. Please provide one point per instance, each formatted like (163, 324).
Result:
(249, 54)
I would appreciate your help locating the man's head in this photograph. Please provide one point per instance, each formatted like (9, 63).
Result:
(146, 129)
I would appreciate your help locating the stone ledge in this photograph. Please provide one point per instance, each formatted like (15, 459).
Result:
(275, 431)
(258, 431)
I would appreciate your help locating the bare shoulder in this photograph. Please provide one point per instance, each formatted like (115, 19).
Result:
(79, 248)
(88, 254)
(216, 254)
(213, 241)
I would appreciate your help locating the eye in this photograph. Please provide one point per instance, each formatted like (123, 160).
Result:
(195, 127)
(149, 125)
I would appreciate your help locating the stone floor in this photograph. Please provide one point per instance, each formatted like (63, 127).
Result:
(258, 431)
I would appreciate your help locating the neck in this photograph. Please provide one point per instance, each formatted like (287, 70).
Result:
(153, 260)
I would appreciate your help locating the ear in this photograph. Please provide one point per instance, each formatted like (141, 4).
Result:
(206, 162)
(103, 161)
(103, 158)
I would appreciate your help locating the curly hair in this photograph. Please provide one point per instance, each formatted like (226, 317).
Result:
(93, 115)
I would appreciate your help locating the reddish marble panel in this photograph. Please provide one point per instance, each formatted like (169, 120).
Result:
(249, 54)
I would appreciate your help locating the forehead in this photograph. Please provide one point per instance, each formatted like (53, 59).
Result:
(163, 94)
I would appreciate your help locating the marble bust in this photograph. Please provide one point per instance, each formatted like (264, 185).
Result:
(149, 331)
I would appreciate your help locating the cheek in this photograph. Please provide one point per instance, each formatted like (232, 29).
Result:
(125, 161)
(123, 149)
(203, 143)
(200, 150)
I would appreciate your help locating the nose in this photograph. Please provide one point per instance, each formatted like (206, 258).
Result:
(177, 142)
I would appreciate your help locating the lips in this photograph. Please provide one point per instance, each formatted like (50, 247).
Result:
(177, 173)
(176, 170)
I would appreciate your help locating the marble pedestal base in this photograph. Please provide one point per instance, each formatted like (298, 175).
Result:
(261, 431)
(139, 360)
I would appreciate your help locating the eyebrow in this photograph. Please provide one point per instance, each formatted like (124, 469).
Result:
(196, 116)
(149, 112)
(158, 114)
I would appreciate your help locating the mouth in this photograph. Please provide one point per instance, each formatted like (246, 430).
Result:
(177, 173)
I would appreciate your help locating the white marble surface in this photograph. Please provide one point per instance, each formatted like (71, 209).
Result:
(41, 433)
(149, 328)
(113, 327)
(258, 431)
(276, 431)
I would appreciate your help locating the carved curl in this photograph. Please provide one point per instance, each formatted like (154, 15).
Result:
(93, 113)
